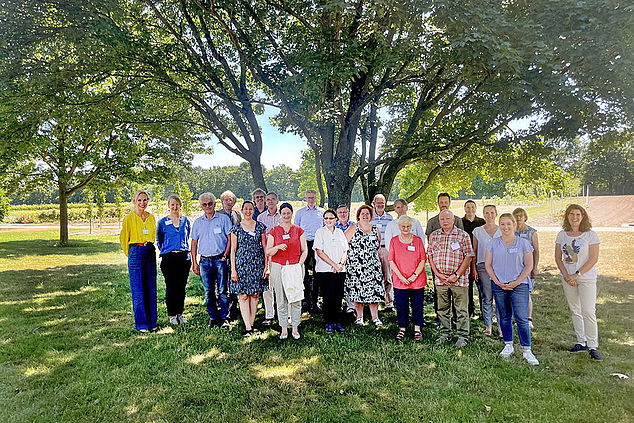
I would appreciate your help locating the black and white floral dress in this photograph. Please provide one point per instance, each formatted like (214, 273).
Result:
(364, 280)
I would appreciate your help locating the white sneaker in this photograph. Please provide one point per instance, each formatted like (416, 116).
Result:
(530, 358)
(507, 351)
(377, 322)
(182, 320)
(359, 322)
(174, 320)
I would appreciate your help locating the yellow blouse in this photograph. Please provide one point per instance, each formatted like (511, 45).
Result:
(135, 231)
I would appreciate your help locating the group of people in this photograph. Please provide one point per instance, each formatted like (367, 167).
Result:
(293, 259)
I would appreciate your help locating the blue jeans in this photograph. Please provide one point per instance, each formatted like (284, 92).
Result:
(142, 272)
(486, 296)
(513, 304)
(213, 274)
(403, 298)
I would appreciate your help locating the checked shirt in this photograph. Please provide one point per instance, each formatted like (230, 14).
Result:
(446, 258)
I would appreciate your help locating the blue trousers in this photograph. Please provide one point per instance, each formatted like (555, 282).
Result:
(214, 276)
(142, 271)
(403, 298)
(513, 304)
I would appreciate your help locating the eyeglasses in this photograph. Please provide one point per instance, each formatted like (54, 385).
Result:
(207, 204)
(259, 197)
(329, 218)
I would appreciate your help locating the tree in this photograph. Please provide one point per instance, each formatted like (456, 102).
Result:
(607, 163)
(76, 124)
(284, 181)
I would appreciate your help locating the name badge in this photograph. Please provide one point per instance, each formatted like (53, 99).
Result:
(455, 246)
(145, 231)
(286, 236)
(411, 248)
(252, 233)
(168, 222)
(217, 230)
(512, 250)
(372, 237)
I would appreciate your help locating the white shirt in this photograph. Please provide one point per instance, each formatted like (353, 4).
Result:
(575, 251)
(392, 230)
(334, 244)
(483, 238)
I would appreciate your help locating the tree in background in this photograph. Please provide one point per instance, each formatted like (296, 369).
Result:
(607, 163)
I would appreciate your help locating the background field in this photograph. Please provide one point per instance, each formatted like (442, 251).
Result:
(68, 353)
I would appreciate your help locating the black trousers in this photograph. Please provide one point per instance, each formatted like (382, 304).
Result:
(311, 284)
(331, 285)
(175, 268)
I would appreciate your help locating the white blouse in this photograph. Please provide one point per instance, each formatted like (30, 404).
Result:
(334, 244)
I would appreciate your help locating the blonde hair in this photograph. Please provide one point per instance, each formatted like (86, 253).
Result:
(139, 192)
(508, 216)
(521, 211)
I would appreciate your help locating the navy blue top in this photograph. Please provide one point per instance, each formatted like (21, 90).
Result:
(168, 238)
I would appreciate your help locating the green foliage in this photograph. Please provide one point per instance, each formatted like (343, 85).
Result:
(4, 204)
(607, 163)
(284, 181)
(306, 174)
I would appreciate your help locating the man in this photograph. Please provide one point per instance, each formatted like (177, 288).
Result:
(258, 195)
(470, 221)
(343, 218)
(210, 239)
(392, 230)
(228, 200)
(310, 218)
(433, 224)
(449, 255)
(343, 223)
(380, 220)
(270, 218)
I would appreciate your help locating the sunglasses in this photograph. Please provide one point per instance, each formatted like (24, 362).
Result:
(207, 204)
(329, 218)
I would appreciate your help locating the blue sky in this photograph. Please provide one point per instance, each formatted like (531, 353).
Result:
(278, 148)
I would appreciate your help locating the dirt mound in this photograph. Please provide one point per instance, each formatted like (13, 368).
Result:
(613, 210)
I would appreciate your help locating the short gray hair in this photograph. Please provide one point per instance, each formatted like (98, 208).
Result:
(228, 193)
(405, 220)
(446, 211)
(206, 195)
(401, 201)
(310, 191)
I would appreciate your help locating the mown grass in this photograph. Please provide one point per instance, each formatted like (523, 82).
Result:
(68, 353)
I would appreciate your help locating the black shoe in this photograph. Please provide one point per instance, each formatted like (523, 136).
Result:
(578, 348)
(594, 354)
(225, 324)
(212, 323)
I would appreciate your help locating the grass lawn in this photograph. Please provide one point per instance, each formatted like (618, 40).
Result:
(68, 353)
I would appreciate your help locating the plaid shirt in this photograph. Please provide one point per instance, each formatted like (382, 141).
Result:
(446, 259)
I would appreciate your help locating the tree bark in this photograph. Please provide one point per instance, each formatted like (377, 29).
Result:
(63, 214)
(257, 173)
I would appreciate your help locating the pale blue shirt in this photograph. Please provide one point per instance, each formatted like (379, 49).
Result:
(508, 262)
(381, 223)
(310, 220)
(211, 234)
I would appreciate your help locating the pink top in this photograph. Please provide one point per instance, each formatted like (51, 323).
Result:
(407, 257)
(294, 250)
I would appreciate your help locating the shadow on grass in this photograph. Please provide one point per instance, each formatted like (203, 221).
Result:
(44, 247)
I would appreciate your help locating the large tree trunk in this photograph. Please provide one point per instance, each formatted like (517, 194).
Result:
(340, 186)
(257, 173)
(63, 214)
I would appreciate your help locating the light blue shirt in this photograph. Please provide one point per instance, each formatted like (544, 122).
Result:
(310, 220)
(381, 223)
(344, 227)
(508, 262)
(169, 238)
(211, 234)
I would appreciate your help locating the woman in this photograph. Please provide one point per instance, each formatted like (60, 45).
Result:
(172, 235)
(576, 253)
(482, 236)
(508, 261)
(248, 264)
(331, 249)
(364, 279)
(529, 234)
(286, 245)
(407, 262)
(138, 233)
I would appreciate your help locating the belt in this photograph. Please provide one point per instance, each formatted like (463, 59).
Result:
(219, 256)
(142, 244)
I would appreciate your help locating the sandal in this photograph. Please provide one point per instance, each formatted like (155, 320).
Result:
(418, 335)
(401, 334)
